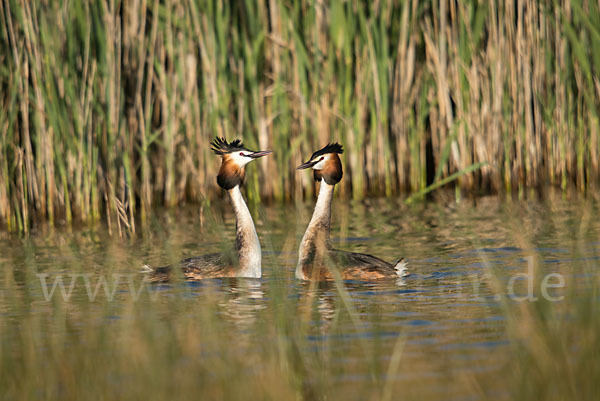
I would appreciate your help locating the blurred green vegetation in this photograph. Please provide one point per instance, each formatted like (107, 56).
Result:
(107, 107)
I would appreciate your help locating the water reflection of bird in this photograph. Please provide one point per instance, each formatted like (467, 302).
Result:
(243, 301)
(317, 306)
(316, 255)
(245, 261)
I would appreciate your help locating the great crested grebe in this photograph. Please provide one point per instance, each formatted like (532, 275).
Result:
(245, 261)
(316, 253)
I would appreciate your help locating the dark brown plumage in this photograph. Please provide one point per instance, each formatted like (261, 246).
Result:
(197, 268)
(350, 265)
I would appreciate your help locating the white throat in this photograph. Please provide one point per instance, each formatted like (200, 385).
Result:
(317, 232)
(247, 244)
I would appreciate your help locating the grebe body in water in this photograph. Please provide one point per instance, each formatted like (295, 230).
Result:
(245, 259)
(316, 256)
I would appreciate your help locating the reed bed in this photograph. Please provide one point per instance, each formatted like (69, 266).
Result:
(107, 107)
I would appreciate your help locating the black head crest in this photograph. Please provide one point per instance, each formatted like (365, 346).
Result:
(221, 147)
(329, 148)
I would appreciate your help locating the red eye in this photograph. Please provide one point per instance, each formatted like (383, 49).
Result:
(242, 154)
(321, 159)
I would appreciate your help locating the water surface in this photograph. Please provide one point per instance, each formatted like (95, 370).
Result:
(438, 334)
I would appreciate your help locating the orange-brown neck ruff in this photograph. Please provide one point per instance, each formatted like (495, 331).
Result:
(332, 173)
(230, 174)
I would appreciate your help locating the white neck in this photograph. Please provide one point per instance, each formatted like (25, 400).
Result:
(317, 233)
(246, 241)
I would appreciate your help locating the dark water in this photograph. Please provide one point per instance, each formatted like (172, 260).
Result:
(444, 324)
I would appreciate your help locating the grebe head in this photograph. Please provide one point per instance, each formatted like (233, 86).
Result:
(326, 164)
(235, 157)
